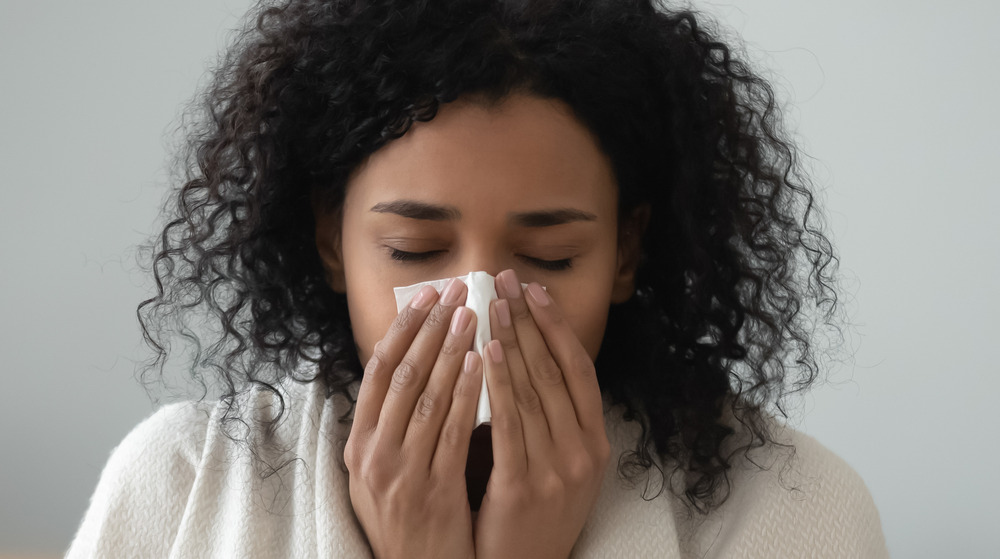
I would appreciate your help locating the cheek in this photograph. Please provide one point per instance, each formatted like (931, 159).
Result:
(371, 317)
(372, 307)
(587, 301)
(585, 306)
(370, 299)
(588, 323)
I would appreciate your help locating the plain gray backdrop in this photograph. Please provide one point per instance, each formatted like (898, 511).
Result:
(894, 102)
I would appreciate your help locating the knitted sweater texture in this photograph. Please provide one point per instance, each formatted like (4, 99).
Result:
(178, 487)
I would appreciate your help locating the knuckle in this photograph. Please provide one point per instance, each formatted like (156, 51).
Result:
(452, 436)
(463, 388)
(440, 484)
(582, 365)
(452, 346)
(527, 399)
(551, 487)
(502, 378)
(404, 376)
(519, 311)
(554, 318)
(405, 322)
(508, 341)
(438, 316)
(376, 475)
(426, 407)
(506, 425)
(521, 498)
(579, 470)
(379, 466)
(547, 372)
(366, 466)
(374, 366)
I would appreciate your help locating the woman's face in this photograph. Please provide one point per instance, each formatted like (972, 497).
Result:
(522, 186)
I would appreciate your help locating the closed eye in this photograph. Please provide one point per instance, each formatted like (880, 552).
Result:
(405, 256)
(549, 265)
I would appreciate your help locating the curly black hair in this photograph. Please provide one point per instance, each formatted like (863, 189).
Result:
(735, 275)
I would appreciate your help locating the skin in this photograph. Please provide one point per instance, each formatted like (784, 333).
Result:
(522, 191)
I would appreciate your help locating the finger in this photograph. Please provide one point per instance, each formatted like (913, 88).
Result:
(577, 368)
(433, 405)
(509, 455)
(535, 425)
(412, 371)
(453, 443)
(542, 369)
(387, 353)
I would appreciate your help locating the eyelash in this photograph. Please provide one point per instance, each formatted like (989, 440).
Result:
(404, 256)
(548, 265)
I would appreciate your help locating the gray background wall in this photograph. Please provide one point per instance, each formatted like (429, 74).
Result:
(894, 101)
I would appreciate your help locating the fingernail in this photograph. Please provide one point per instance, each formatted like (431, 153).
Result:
(423, 298)
(503, 313)
(511, 286)
(495, 351)
(452, 292)
(460, 320)
(471, 360)
(538, 294)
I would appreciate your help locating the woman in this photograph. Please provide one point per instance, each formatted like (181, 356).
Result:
(611, 157)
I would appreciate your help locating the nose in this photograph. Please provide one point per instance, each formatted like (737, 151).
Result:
(480, 257)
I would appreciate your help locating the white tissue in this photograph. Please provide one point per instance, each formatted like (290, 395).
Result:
(481, 292)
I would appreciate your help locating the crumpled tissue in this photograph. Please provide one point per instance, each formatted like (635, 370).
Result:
(482, 290)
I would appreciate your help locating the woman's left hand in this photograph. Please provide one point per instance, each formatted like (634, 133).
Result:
(550, 448)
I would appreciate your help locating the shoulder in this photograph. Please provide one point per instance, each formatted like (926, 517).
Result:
(181, 438)
(175, 433)
(180, 479)
(144, 485)
(797, 496)
(807, 476)
(165, 446)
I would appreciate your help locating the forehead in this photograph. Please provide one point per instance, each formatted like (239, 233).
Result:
(525, 152)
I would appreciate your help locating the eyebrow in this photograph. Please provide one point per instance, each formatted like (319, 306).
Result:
(548, 218)
(418, 210)
(432, 212)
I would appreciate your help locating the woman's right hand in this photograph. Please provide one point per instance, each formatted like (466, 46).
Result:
(413, 421)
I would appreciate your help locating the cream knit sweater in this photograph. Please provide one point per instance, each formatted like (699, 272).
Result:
(178, 487)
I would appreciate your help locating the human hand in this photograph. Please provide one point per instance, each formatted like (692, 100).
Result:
(413, 421)
(550, 448)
